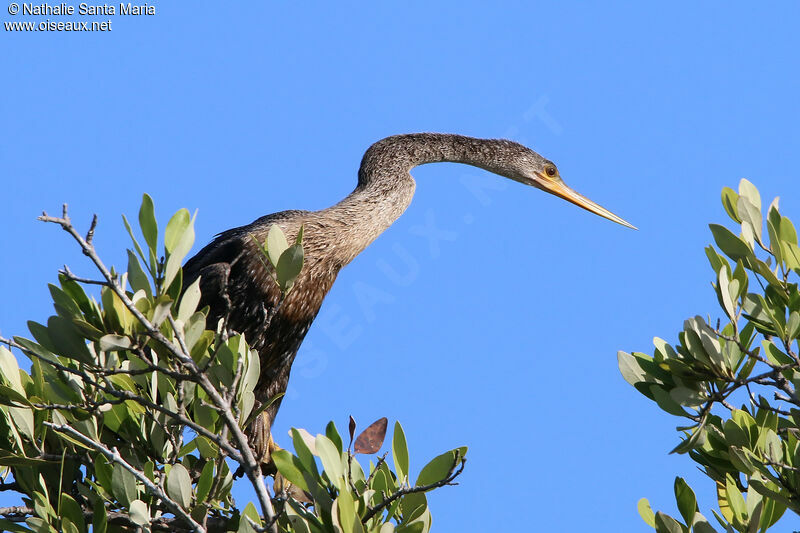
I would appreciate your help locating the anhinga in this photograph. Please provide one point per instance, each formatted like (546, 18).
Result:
(234, 280)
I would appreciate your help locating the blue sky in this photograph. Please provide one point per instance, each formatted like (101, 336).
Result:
(501, 332)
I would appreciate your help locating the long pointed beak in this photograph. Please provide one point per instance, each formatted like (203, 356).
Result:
(562, 191)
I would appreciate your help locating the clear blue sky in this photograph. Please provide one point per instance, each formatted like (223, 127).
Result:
(502, 332)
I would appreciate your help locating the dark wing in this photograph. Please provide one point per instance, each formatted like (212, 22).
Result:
(234, 281)
(212, 265)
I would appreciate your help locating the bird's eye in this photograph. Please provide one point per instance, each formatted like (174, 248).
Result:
(551, 171)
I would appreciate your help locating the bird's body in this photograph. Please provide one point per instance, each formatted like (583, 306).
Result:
(237, 286)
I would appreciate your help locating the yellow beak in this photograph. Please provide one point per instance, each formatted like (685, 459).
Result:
(562, 191)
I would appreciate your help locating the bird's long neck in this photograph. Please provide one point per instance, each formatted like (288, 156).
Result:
(385, 186)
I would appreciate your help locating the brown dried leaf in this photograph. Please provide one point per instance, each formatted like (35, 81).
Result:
(371, 439)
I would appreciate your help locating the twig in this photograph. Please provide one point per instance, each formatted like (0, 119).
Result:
(66, 272)
(448, 480)
(249, 462)
(15, 511)
(114, 456)
(90, 233)
(127, 395)
(381, 460)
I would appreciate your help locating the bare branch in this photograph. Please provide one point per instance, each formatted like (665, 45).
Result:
(66, 272)
(90, 233)
(16, 513)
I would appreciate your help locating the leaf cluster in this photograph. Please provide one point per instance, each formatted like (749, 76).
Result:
(338, 495)
(733, 382)
(134, 411)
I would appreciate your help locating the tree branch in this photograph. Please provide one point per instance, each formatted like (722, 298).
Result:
(249, 462)
(114, 456)
(399, 493)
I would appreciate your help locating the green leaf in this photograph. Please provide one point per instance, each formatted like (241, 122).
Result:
(290, 467)
(791, 254)
(23, 420)
(289, 266)
(263, 407)
(123, 484)
(347, 511)
(99, 519)
(646, 512)
(304, 452)
(147, 221)
(749, 191)
(189, 301)
(276, 244)
(793, 325)
(724, 292)
(438, 468)
(715, 259)
(687, 502)
(413, 506)
(9, 370)
(703, 527)
(139, 513)
(70, 509)
(176, 227)
(11, 397)
(332, 433)
(161, 310)
(251, 371)
(666, 402)
(251, 513)
(331, 460)
(194, 329)
(751, 216)
(179, 485)
(8, 525)
(136, 276)
(400, 452)
(629, 368)
(136, 245)
(178, 240)
(68, 340)
(735, 500)
(729, 201)
(113, 342)
(667, 524)
(205, 481)
(729, 243)
(64, 304)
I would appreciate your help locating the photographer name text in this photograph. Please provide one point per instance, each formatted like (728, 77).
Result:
(64, 9)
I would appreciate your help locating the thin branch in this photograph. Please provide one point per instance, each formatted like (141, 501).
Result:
(448, 480)
(127, 395)
(381, 460)
(114, 456)
(66, 272)
(15, 512)
(249, 462)
(90, 233)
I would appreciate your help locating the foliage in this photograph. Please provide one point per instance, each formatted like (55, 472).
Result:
(344, 498)
(134, 412)
(748, 358)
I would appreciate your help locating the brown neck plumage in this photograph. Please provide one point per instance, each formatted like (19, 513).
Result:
(385, 186)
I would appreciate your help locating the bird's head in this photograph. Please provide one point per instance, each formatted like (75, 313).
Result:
(522, 164)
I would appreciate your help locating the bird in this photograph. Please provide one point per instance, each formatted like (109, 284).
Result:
(237, 285)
